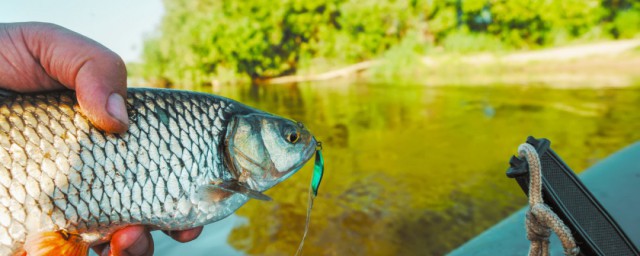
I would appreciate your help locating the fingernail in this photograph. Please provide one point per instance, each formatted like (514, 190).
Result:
(117, 109)
(140, 246)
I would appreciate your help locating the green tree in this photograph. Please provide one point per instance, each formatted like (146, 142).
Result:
(530, 22)
(209, 41)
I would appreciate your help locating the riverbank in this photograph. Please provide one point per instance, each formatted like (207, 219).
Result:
(604, 64)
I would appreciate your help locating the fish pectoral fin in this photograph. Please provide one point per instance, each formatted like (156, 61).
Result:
(58, 242)
(226, 188)
(214, 194)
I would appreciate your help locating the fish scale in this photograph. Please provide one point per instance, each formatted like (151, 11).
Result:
(73, 177)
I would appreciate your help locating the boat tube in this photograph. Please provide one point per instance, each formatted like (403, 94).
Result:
(614, 182)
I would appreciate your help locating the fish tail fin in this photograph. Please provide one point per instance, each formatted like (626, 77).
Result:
(58, 242)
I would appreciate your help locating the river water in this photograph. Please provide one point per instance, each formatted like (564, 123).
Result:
(411, 170)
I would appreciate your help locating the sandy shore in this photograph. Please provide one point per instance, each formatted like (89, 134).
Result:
(603, 64)
(606, 64)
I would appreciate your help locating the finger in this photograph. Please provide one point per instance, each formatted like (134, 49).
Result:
(97, 74)
(131, 241)
(184, 236)
(103, 104)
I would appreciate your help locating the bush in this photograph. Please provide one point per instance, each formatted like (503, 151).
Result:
(627, 23)
(402, 63)
(463, 41)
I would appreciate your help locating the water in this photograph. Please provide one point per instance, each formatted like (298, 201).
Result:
(414, 170)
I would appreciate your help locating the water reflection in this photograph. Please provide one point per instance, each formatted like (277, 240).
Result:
(415, 170)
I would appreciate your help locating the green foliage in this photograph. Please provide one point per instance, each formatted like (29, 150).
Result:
(465, 42)
(442, 21)
(200, 40)
(627, 23)
(214, 41)
(402, 62)
(530, 22)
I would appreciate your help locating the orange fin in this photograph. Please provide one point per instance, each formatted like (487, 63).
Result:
(58, 242)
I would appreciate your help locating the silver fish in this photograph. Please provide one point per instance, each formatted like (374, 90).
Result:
(188, 159)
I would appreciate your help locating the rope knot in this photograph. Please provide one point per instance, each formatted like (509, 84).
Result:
(540, 219)
(536, 231)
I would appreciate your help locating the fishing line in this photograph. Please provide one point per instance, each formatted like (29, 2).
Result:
(318, 171)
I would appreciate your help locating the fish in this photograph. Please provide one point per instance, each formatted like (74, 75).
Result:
(187, 159)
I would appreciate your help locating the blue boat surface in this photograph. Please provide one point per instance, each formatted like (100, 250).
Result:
(614, 181)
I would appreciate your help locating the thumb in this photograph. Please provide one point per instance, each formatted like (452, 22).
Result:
(100, 86)
(97, 74)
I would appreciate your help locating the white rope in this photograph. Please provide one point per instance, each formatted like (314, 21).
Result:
(540, 219)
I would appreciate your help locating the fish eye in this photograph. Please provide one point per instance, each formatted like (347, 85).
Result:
(293, 137)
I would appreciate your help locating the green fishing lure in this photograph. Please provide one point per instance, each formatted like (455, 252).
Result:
(318, 170)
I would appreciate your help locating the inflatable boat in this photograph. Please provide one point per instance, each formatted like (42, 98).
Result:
(607, 222)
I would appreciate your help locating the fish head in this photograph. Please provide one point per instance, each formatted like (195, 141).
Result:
(262, 150)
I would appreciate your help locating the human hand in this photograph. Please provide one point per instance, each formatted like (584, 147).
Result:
(42, 57)
(136, 240)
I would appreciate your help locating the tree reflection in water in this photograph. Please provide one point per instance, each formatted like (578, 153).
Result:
(419, 170)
